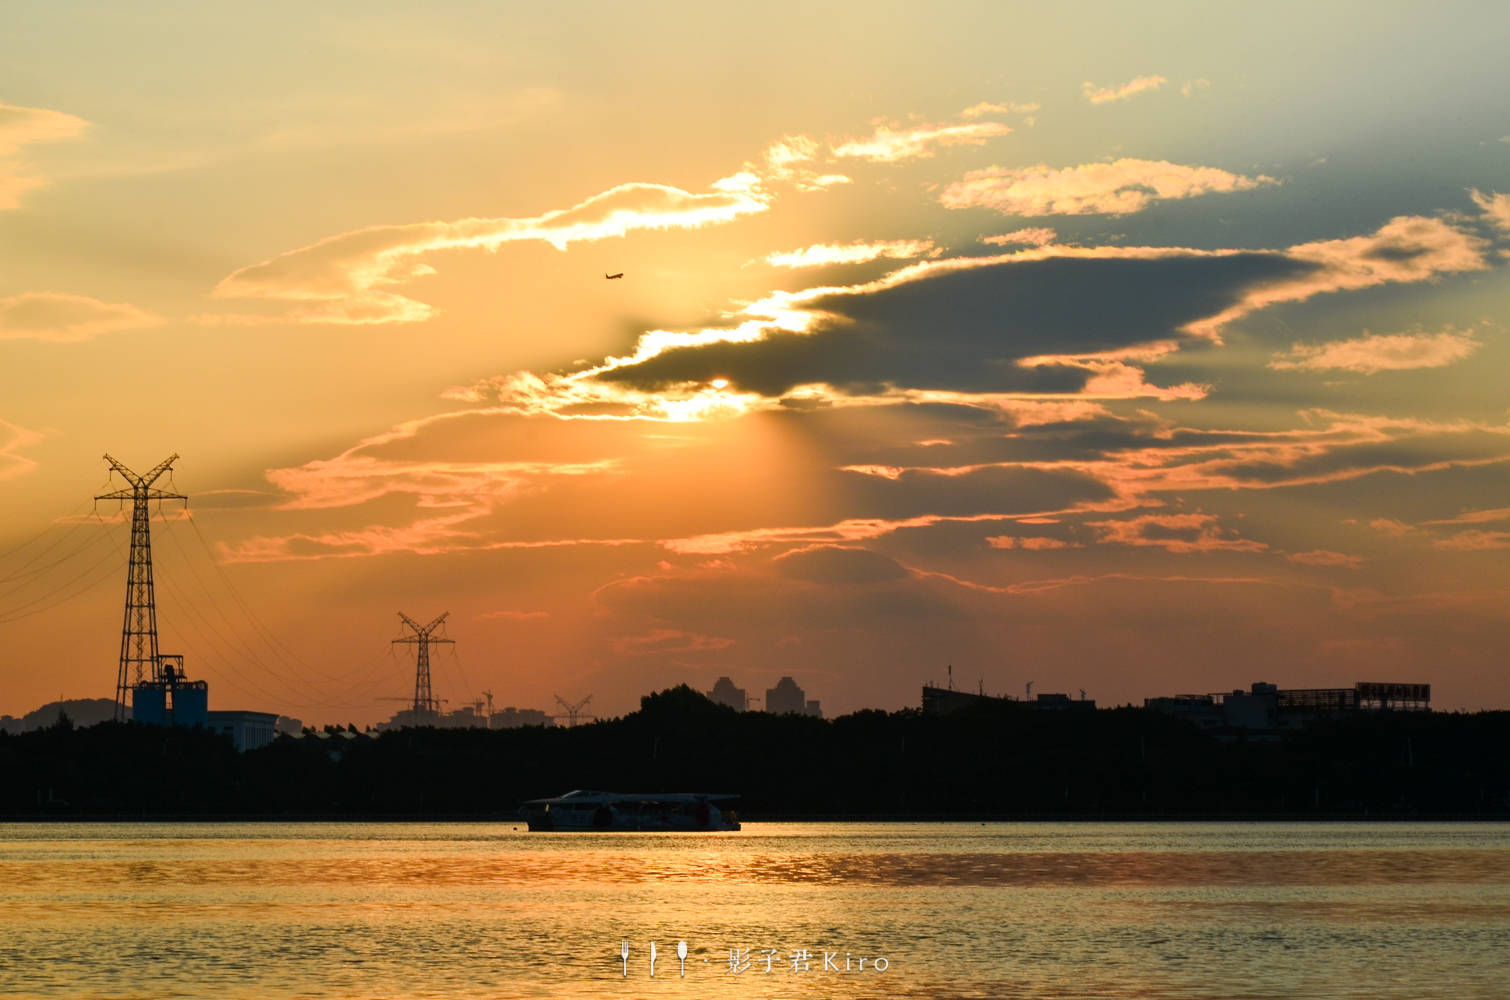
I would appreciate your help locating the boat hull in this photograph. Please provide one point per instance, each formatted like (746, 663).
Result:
(602, 812)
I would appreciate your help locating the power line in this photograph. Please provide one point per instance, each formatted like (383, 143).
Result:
(274, 643)
(246, 647)
(306, 689)
(26, 577)
(208, 661)
(466, 683)
(222, 649)
(20, 611)
(21, 570)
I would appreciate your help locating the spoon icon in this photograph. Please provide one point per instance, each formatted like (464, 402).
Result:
(681, 953)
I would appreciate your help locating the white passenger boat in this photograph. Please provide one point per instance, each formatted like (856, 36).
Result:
(585, 810)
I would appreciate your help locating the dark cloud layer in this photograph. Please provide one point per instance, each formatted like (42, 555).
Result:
(988, 490)
(965, 330)
(832, 564)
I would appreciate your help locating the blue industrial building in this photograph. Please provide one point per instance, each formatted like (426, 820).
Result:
(172, 699)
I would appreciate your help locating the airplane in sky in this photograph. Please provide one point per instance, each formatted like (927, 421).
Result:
(610, 277)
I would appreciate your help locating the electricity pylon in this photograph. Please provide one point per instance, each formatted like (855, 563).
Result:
(573, 712)
(423, 638)
(139, 657)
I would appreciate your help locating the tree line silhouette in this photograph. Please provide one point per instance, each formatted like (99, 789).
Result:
(994, 760)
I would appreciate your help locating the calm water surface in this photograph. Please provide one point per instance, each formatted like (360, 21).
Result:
(953, 910)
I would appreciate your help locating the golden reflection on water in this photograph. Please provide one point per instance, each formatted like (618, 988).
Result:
(955, 910)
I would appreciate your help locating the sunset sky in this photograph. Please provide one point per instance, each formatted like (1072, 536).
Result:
(1138, 349)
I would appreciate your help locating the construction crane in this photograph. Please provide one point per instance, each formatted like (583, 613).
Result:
(573, 712)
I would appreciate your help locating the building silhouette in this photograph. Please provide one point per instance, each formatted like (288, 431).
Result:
(516, 718)
(786, 698)
(1268, 710)
(246, 730)
(942, 701)
(725, 693)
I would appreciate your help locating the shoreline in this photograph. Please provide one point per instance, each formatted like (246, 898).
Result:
(835, 818)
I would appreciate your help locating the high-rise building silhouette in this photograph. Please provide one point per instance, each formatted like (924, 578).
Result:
(725, 693)
(787, 698)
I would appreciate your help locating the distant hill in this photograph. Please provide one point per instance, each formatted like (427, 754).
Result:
(81, 712)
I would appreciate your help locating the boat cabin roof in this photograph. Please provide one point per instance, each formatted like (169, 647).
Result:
(583, 797)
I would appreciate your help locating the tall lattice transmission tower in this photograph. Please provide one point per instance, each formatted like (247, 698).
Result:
(422, 639)
(140, 660)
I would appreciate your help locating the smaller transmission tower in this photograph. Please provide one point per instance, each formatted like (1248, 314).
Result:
(139, 656)
(573, 712)
(422, 639)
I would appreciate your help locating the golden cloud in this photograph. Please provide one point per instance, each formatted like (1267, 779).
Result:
(1036, 236)
(784, 161)
(1113, 377)
(357, 475)
(1176, 533)
(456, 502)
(821, 254)
(22, 127)
(1325, 557)
(1475, 540)
(1495, 206)
(1030, 543)
(1472, 539)
(13, 440)
(1380, 352)
(1390, 526)
(1476, 517)
(661, 641)
(849, 530)
(348, 278)
(1116, 188)
(59, 317)
(1003, 108)
(1408, 248)
(1133, 87)
(577, 396)
(1258, 460)
(888, 145)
